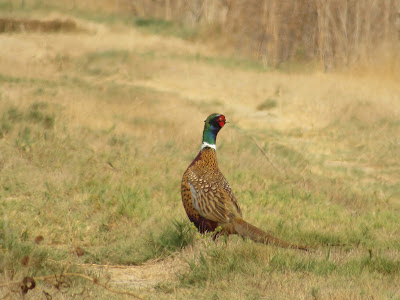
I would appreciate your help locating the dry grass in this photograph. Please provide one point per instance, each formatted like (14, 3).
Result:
(94, 138)
(331, 34)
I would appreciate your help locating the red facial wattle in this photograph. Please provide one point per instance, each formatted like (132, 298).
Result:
(221, 121)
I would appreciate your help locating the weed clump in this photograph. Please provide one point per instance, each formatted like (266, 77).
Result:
(176, 236)
(267, 104)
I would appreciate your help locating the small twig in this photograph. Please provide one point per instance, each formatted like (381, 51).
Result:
(94, 280)
(267, 156)
(105, 266)
(111, 165)
(261, 149)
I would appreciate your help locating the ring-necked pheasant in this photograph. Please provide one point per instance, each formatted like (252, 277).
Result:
(207, 197)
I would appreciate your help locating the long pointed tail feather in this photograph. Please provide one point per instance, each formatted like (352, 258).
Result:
(245, 229)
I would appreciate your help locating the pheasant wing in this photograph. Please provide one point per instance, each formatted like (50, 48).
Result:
(211, 199)
(233, 201)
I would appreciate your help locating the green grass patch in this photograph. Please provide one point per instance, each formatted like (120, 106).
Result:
(172, 238)
(221, 262)
(20, 254)
(267, 104)
(156, 244)
(228, 62)
(218, 262)
(164, 27)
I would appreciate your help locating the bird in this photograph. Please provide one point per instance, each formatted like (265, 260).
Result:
(208, 199)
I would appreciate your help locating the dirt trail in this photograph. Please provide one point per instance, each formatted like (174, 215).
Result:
(145, 276)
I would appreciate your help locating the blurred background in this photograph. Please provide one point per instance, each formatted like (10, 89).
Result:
(329, 34)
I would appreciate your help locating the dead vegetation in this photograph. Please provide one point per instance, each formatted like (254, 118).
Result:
(58, 282)
(31, 25)
(335, 33)
(322, 34)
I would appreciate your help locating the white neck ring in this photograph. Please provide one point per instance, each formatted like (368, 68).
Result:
(205, 144)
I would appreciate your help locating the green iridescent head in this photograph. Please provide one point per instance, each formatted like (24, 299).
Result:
(212, 126)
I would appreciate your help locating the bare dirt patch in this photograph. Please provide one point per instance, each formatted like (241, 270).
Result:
(147, 275)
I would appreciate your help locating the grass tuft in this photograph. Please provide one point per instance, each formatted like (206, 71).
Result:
(20, 254)
(136, 250)
(173, 238)
(267, 104)
(164, 27)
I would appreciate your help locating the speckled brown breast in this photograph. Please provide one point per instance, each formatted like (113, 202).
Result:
(206, 195)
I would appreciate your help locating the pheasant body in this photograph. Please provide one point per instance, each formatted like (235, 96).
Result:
(208, 198)
(204, 191)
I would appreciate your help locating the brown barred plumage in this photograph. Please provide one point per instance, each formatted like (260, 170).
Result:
(209, 200)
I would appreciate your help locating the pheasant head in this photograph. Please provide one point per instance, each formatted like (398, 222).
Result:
(212, 126)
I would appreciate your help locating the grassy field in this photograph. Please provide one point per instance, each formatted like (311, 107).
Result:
(97, 126)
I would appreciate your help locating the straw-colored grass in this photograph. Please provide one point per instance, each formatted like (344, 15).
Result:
(97, 127)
